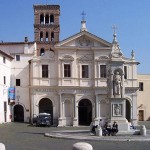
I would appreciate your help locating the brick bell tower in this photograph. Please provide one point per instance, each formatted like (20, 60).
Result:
(46, 26)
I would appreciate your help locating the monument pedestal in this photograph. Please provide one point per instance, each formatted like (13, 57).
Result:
(118, 109)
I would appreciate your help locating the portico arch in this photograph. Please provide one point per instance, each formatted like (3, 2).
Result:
(85, 112)
(18, 112)
(46, 106)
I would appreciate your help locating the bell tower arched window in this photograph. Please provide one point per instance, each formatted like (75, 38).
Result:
(41, 19)
(51, 19)
(47, 19)
(41, 36)
(46, 36)
(42, 51)
(52, 36)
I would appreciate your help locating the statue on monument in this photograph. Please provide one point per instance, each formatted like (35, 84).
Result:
(117, 84)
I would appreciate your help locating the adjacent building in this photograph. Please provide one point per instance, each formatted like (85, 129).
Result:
(5, 75)
(143, 104)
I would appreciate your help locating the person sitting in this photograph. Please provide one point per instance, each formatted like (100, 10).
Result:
(107, 129)
(114, 128)
(93, 127)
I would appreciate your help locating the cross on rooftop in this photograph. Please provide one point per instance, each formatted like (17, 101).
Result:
(114, 27)
(83, 16)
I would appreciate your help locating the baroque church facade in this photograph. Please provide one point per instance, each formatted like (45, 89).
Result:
(78, 80)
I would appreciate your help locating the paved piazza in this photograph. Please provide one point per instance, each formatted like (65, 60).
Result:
(21, 136)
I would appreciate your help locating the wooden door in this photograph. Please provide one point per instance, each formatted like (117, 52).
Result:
(141, 115)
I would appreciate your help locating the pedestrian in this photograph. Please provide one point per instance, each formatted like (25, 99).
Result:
(101, 123)
(114, 128)
(107, 129)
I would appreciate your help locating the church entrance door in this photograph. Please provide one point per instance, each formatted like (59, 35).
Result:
(18, 113)
(85, 112)
(46, 106)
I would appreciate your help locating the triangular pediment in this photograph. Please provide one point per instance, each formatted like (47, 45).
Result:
(83, 39)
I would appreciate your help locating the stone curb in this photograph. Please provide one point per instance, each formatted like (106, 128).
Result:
(63, 135)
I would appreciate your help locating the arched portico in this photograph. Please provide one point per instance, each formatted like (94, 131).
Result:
(85, 112)
(46, 106)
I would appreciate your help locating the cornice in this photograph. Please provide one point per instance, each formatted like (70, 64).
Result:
(39, 7)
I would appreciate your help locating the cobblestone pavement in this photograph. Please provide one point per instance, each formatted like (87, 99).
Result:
(20, 136)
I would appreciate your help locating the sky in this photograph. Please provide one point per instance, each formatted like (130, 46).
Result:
(132, 18)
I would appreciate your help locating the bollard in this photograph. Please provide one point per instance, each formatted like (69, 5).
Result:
(143, 130)
(98, 131)
(2, 146)
(91, 126)
(82, 146)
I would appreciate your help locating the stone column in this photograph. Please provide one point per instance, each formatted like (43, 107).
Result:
(96, 120)
(96, 107)
(44, 18)
(63, 109)
(49, 19)
(99, 109)
(60, 115)
(75, 120)
(60, 106)
(112, 86)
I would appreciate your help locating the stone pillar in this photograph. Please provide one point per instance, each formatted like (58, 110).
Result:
(63, 109)
(96, 107)
(112, 86)
(133, 109)
(60, 117)
(75, 120)
(82, 146)
(60, 106)
(49, 19)
(99, 109)
(96, 120)
(44, 18)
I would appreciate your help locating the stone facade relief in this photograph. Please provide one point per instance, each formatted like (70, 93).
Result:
(85, 42)
(117, 109)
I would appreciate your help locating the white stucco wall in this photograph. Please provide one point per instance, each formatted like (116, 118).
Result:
(5, 70)
(143, 97)
(20, 70)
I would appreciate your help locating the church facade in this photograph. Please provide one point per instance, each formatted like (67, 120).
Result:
(84, 78)
(78, 80)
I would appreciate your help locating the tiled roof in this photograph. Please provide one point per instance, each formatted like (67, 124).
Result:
(5, 54)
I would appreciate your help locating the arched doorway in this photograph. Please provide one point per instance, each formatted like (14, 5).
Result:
(128, 111)
(18, 113)
(85, 112)
(46, 106)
